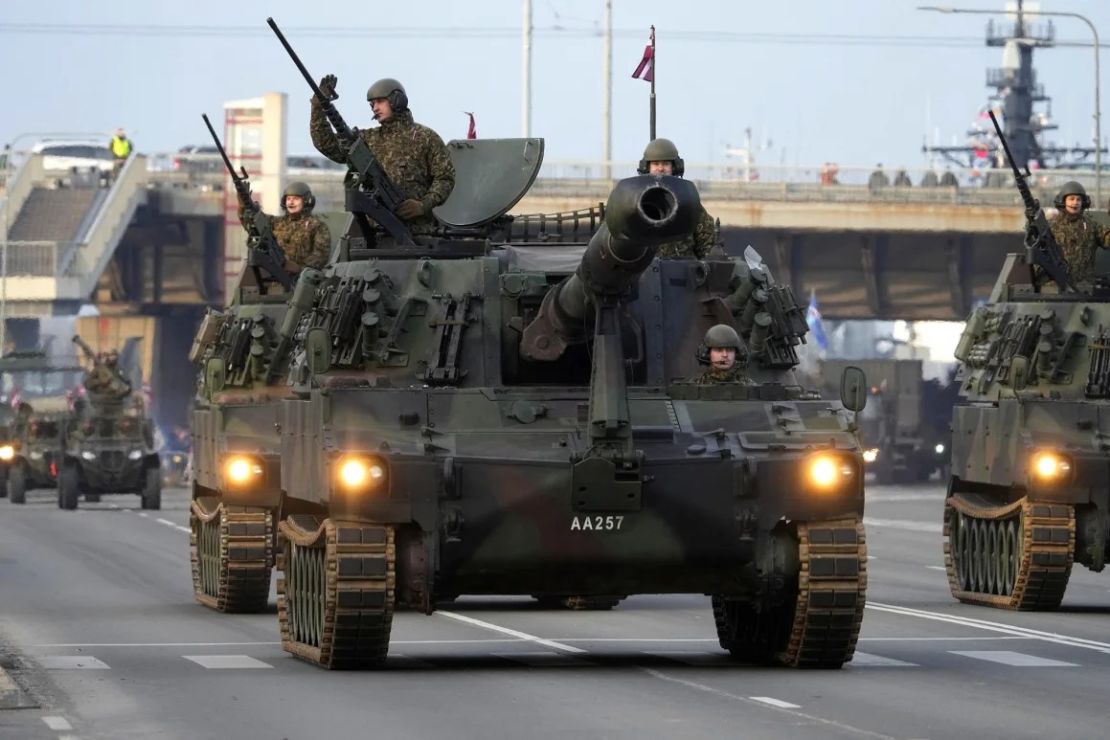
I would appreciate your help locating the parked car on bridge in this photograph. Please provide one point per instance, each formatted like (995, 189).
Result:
(65, 155)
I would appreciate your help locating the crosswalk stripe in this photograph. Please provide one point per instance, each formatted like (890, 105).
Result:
(867, 660)
(72, 662)
(220, 662)
(1011, 658)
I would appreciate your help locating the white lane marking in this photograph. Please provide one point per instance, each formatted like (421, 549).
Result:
(145, 644)
(144, 515)
(909, 524)
(221, 662)
(867, 660)
(712, 640)
(58, 724)
(983, 624)
(543, 659)
(753, 700)
(72, 662)
(511, 632)
(1018, 660)
(941, 568)
(773, 702)
(175, 525)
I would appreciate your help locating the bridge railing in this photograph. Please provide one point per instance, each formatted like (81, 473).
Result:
(36, 258)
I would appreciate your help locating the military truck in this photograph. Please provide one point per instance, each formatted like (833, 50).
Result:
(108, 440)
(904, 429)
(35, 391)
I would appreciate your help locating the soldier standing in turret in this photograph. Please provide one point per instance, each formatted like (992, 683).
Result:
(661, 158)
(1076, 232)
(413, 156)
(105, 378)
(303, 238)
(728, 358)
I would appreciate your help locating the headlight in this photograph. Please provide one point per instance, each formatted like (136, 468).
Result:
(135, 455)
(870, 456)
(828, 472)
(939, 449)
(241, 471)
(88, 455)
(1050, 467)
(7, 452)
(359, 473)
(35, 454)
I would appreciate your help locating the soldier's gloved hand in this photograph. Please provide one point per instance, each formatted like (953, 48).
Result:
(327, 87)
(410, 209)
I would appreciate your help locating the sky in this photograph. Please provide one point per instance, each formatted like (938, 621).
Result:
(851, 81)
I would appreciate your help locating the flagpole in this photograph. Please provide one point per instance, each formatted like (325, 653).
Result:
(652, 104)
(607, 115)
(526, 112)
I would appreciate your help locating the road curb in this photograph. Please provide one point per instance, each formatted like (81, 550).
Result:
(11, 695)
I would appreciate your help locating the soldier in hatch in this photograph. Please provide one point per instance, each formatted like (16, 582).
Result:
(412, 155)
(1076, 232)
(661, 158)
(303, 238)
(728, 358)
(106, 379)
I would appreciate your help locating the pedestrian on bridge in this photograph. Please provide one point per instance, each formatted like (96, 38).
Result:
(121, 148)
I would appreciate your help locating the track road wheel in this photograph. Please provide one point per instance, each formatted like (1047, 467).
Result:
(68, 486)
(152, 489)
(17, 484)
(817, 624)
(231, 550)
(336, 593)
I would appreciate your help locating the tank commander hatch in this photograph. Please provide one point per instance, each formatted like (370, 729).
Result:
(412, 155)
(661, 158)
(726, 355)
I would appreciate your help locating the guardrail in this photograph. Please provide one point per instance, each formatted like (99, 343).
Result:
(35, 258)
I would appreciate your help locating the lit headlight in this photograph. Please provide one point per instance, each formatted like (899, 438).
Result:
(870, 456)
(827, 472)
(35, 454)
(939, 449)
(88, 455)
(1050, 467)
(359, 474)
(135, 455)
(241, 471)
(7, 452)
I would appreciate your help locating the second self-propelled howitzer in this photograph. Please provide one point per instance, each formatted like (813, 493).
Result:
(263, 251)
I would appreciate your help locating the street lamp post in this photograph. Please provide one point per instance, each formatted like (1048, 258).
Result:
(1098, 107)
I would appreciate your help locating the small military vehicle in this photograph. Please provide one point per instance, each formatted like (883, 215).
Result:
(35, 390)
(505, 407)
(108, 440)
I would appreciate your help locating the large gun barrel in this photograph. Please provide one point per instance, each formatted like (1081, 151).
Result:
(642, 212)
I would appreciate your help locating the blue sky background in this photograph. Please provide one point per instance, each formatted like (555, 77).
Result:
(862, 97)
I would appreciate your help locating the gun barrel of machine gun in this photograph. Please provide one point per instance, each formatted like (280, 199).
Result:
(342, 130)
(241, 182)
(84, 347)
(1040, 244)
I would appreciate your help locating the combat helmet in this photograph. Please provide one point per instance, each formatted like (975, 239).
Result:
(722, 336)
(301, 190)
(391, 90)
(1072, 188)
(661, 150)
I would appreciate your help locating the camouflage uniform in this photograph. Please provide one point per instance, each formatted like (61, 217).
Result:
(695, 244)
(735, 374)
(304, 238)
(105, 380)
(412, 155)
(1079, 236)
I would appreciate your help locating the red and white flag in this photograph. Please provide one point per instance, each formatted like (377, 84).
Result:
(645, 70)
(472, 130)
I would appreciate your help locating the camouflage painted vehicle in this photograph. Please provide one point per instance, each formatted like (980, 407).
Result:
(109, 449)
(35, 389)
(500, 409)
(1028, 494)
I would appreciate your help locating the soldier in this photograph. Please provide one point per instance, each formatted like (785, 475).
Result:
(661, 158)
(106, 379)
(303, 238)
(1076, 232)
(728, 358)
(412, 155)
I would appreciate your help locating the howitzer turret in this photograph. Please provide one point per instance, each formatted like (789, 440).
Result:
(642, 213)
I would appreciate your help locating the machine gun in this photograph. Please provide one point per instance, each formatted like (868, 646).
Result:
(263, 252)
(1041, 248)
(370, 192)
(86, 349)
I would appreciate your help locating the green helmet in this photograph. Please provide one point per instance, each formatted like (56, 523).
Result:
(722, 336)
(391, 90)
(661, 150)
(1071, 188)
(301, 190)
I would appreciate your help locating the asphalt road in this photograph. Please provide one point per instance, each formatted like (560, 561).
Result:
(100, 633)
